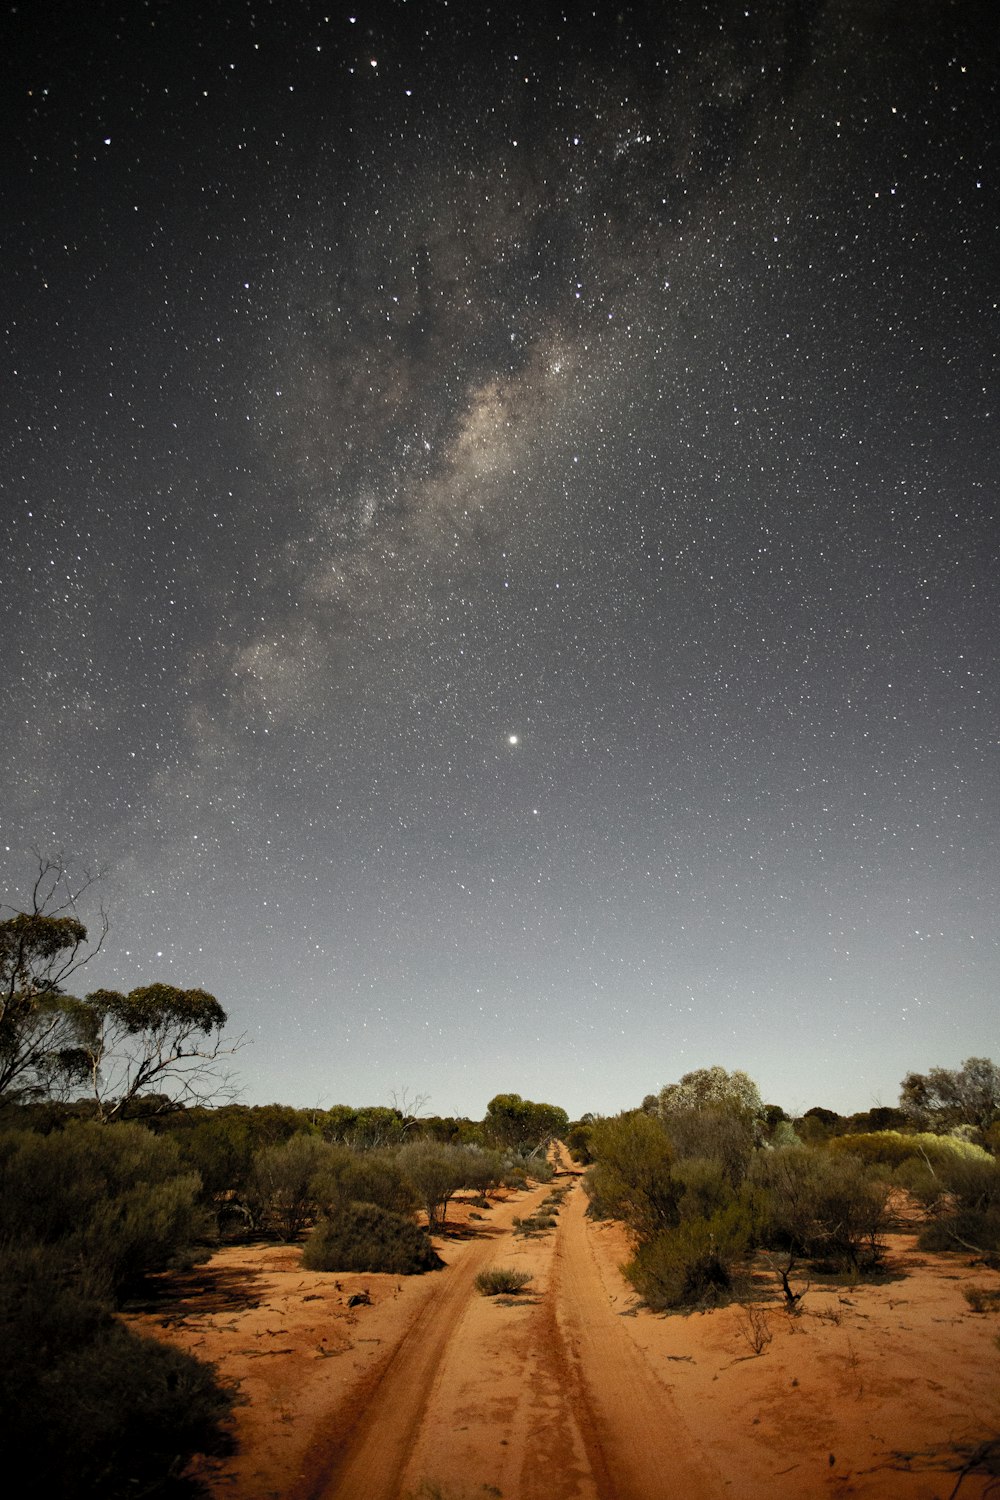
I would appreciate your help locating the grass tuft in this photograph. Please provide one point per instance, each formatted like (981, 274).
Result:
(500, 1280)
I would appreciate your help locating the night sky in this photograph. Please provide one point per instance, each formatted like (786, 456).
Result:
(500, 532)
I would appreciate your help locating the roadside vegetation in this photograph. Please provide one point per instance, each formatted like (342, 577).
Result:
(123, 1157)
(93, 1208)
(711, 1181)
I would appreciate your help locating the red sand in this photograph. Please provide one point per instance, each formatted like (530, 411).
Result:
(570, 1390)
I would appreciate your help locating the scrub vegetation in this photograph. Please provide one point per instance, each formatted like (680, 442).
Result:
(706, 1176)
(113, 1170)
(95, 1204)
(120, 1160)
(501, 1281)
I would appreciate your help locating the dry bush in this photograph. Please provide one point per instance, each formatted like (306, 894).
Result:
(982, 1299)
(754, 1325)
(501, 1280)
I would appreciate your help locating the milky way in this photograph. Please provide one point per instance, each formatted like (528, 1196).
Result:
(502, 533)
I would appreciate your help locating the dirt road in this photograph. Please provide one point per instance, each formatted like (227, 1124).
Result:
(542, 1395)
(429, 1391)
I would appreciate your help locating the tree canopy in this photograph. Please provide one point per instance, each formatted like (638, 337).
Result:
(38, 1040)
(945, 1098)
(712, 1088)
(522, 1124)
(155, 1037)
(119, 1046)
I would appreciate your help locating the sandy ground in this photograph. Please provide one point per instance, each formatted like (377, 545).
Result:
(434, 1392)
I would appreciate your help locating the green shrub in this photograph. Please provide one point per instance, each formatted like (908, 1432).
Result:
(95, 1410)
(915, 1177)
(364, 1237)
(365, 1177)
(820, 1204)
(632, 1174)
(706, 1186)
(967, 1214)
(578, 1142)
(109, 1203)
(892, 1147)
(501, 1280)
(540, 1169)
(692, 1264)
(436, 1173)
(283, 1183)
(484, 1170)
(974, 1182)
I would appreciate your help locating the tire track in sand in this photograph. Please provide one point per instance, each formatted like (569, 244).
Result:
(552, 1400)
(638, 1447)
(368, 1457)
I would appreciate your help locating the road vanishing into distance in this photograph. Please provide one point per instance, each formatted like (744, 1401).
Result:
(531, 1397)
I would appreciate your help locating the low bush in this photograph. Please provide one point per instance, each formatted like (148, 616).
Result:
(918, 1179)
(540, 1169)
(364, 1237)
(537, 1223)
(95, 1410)
(692, 1264)
(890, 1148)
(982, 1299)
(966, 1229)
(967, 1215)
(500, 1280)
(109, 1203)
(365, 1177)
(821, 1205)
(973, 1182)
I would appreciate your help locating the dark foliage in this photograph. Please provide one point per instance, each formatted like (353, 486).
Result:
(93, 1409)
(693, 1264)
(632, 1175)
(365, 1177)
(364, 1237)
(107, 1204)
(820, 1205)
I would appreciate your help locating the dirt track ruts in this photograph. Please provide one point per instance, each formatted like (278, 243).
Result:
(541, 1398)
(636, 1442)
